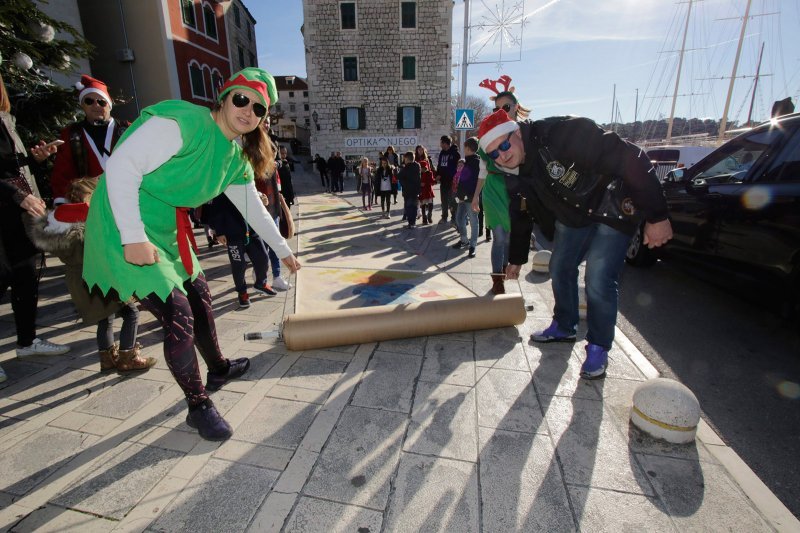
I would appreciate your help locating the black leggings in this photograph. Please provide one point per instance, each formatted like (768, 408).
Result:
(127, 335)
(188, 321)
(386, 202)
(24, 281)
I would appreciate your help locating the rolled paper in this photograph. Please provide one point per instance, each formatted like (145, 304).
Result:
(308, 331)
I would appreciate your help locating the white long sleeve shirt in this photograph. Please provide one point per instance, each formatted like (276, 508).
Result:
(146, 149)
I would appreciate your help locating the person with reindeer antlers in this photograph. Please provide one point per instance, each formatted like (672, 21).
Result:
(491, 188)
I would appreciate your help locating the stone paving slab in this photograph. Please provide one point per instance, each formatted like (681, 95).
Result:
(222, 497)
(472, 431)
(319, 516)
(434, 494)
(357, 463)
(116, 486)
(521, 486)
(54, 519)
(31, 461)
(443, 422)
(389, 382)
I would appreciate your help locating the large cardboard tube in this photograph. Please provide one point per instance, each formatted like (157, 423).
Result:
(308, 331)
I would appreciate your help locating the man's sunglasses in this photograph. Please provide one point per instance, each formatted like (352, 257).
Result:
(240, 100)
(504, 107)
(504, 147)
(88, 101)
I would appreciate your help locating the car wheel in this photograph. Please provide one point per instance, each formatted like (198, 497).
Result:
(638, 254)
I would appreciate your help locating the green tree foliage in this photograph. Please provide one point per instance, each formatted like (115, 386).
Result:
(40, 106)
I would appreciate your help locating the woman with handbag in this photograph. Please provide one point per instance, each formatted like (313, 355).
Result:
(19, 258)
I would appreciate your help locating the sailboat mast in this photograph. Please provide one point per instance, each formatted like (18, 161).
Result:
(678, 77)
(755, 85)
(724, 122)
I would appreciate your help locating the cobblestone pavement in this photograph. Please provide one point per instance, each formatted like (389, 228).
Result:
(477, 431)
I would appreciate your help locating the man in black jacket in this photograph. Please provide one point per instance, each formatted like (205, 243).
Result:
(589, 189)
(410, 182)
(445, 171)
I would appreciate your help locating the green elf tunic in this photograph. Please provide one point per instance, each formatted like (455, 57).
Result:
(494, 194)
(203, 168)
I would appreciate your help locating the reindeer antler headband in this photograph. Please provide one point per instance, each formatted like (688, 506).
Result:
(504, 81)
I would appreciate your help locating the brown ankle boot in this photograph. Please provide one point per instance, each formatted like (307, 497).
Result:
(108, 358)
(131, 361)
(497, 284)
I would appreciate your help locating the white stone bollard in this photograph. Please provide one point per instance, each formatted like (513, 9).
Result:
(666, 409)
(541, 261)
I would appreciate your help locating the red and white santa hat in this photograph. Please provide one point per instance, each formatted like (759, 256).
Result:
(495, 126)
(89, 85)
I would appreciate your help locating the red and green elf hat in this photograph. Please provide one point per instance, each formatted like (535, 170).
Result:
(255, 79)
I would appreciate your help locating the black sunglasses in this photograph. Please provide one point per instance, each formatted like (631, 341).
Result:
(91, 101)
(240, 100)
(504, 147)
(504, 107)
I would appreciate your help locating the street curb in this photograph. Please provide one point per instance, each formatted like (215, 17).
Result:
(771, 508)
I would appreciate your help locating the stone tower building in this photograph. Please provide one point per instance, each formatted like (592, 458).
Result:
(378, 74)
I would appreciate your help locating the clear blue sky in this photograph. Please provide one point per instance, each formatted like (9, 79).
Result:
(573, 52)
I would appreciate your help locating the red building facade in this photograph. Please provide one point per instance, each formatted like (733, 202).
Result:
(201, 48)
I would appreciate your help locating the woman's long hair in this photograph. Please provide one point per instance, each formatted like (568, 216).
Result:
(260, 151)
(5, 103)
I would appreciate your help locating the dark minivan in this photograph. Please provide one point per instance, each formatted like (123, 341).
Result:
(736, 213)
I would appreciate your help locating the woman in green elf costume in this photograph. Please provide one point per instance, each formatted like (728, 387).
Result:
(139, 239)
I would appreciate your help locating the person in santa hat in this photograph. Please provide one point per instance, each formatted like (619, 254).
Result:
(572, 177)
(61, 232)
(87, 143)
(139, 238)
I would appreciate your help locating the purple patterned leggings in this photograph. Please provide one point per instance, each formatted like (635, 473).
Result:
(188, 321)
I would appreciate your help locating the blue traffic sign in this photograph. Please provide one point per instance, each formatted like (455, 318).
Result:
(465, 119)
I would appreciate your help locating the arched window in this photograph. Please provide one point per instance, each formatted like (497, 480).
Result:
(187, 12)
(210, 18)
(196, 78)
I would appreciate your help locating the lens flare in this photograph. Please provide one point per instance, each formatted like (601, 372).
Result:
(644, 299)
(757, 198)
(789, 389)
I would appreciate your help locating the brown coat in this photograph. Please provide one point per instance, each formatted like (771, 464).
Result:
(66, 242)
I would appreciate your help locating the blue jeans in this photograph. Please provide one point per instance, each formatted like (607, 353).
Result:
(410, 209)
(273, 257)
(499, 252)
(604, 250)
(463, 211)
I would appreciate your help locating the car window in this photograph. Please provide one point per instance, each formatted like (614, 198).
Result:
(786, 166)
(661, 154)
(732, 161)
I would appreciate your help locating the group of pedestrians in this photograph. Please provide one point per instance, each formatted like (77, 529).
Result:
(331, 171)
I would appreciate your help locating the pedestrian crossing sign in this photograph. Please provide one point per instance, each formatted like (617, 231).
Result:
(465, 119)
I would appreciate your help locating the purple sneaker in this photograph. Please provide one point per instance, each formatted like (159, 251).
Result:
(237, 367)
(594, 367)
(553, 333)
(208, 422)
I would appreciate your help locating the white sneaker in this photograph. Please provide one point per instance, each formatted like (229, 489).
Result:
(3, 375)
(281, 284)
(42, 347)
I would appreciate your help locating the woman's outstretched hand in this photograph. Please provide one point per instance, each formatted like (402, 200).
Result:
(141, 253)
(291, 263)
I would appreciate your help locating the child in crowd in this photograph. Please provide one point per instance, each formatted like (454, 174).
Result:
(364, 176)
(409, 178)
(467, 182)
(385, 184)
(426, 193)
(61, 233)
